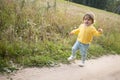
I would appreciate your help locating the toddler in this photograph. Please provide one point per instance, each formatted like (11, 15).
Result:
(85, 32)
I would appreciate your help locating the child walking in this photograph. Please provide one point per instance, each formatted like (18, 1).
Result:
(85, 32)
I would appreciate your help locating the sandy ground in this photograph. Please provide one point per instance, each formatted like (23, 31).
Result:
(104, 68)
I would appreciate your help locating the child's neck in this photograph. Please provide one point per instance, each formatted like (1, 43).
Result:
(87, 25)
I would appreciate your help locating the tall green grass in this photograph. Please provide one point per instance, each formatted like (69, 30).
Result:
(35, 33)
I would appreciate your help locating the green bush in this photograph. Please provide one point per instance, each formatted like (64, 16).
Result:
(96, 50)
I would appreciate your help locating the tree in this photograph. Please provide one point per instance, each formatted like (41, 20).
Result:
(109, 5)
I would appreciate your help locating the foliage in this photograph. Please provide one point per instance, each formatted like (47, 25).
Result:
(109, 5)
(36, 33)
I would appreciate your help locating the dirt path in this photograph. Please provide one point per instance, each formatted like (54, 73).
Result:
(104, 68)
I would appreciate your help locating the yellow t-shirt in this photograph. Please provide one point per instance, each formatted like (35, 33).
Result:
(86, 34)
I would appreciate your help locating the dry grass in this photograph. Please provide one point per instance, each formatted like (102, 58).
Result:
(48, 24)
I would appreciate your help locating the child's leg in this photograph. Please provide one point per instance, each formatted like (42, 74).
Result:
(75, 48)
(83, 51)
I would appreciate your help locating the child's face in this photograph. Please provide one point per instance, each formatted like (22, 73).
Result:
(87, 21)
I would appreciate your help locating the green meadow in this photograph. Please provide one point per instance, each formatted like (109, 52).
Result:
(34, 33)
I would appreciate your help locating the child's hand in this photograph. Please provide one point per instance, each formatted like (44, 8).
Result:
(71, 33)
(100, 30)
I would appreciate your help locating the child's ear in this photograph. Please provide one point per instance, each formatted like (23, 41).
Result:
(94, 22)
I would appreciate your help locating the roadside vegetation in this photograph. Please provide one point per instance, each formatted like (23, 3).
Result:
(35, 33)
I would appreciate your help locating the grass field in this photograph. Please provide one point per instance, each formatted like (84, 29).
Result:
(35, 33)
